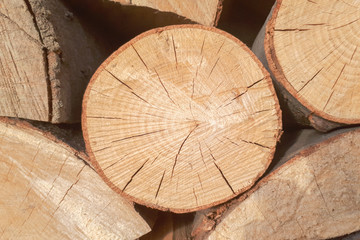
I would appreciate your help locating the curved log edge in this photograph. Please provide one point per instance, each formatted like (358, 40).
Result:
(109, 69)
(48, 191)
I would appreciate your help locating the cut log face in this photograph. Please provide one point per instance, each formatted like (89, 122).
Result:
(314, 195)
(43, 68)
(313, 50)
(48, 192)
(204, 12)
(181, 118)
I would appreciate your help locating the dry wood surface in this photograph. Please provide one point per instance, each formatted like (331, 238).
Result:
(312, 50)
(181, 118)
(204, 12)
(46, 61)
(49, 192)
(313, 193)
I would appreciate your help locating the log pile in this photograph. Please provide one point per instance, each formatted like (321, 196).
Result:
(183, 132)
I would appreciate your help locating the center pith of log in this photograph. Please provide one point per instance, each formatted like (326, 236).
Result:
(181, 118)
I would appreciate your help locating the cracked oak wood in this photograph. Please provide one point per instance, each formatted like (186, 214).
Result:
(43, 68)
(312, 50)
(203, 12)
(181, 118)
(313, 193)
(49, 192)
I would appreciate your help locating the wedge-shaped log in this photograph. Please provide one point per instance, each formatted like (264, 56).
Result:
(313, 193)
(204, 12)
(49, 192)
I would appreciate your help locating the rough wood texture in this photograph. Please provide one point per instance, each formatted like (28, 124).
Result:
(48, 192)
(43, 67)
(313, 58)
(312, 194)
(204, 12)
(181, 118)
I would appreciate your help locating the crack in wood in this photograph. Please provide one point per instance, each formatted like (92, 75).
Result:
(46, 61)
(312, 78)
(139, 135)
(132, 177)
(220, 47)
(255, 143)
(111, 165)
(22, 30)
(181, 146)
(214, 67)
(162, 84)
(292, 29)
(137, 53)
(201, 153)
(162, 178)
(223, 176)
(173, 42)
(118, 79)
(196, 199)
(139, 97)
(347, 24)
(200, 181)
(104, 117)
(101, 149)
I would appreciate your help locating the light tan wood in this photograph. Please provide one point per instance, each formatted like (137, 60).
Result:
(181, 118)
(43, 67)
(313, 193)
(204, 12)
(48, 192)
(312, 51)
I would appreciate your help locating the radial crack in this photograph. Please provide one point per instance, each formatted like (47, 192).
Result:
(118, 79)
(142, 60)
(162, 84)
(162, 178)
(139, 135)
(223, 176)
(132, 177)
(181, 146)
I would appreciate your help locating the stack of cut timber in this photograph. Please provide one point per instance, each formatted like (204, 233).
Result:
(48, 191)
(313, 193)
(312, 50)
(180, 123)
(181, 118)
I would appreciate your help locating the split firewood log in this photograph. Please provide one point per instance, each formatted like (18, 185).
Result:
(46, 61)
(313, 192)
(181, 118)
(311, 48)
(48, 191)
(204, 12)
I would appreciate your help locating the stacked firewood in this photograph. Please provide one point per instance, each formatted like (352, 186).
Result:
(186, 132)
